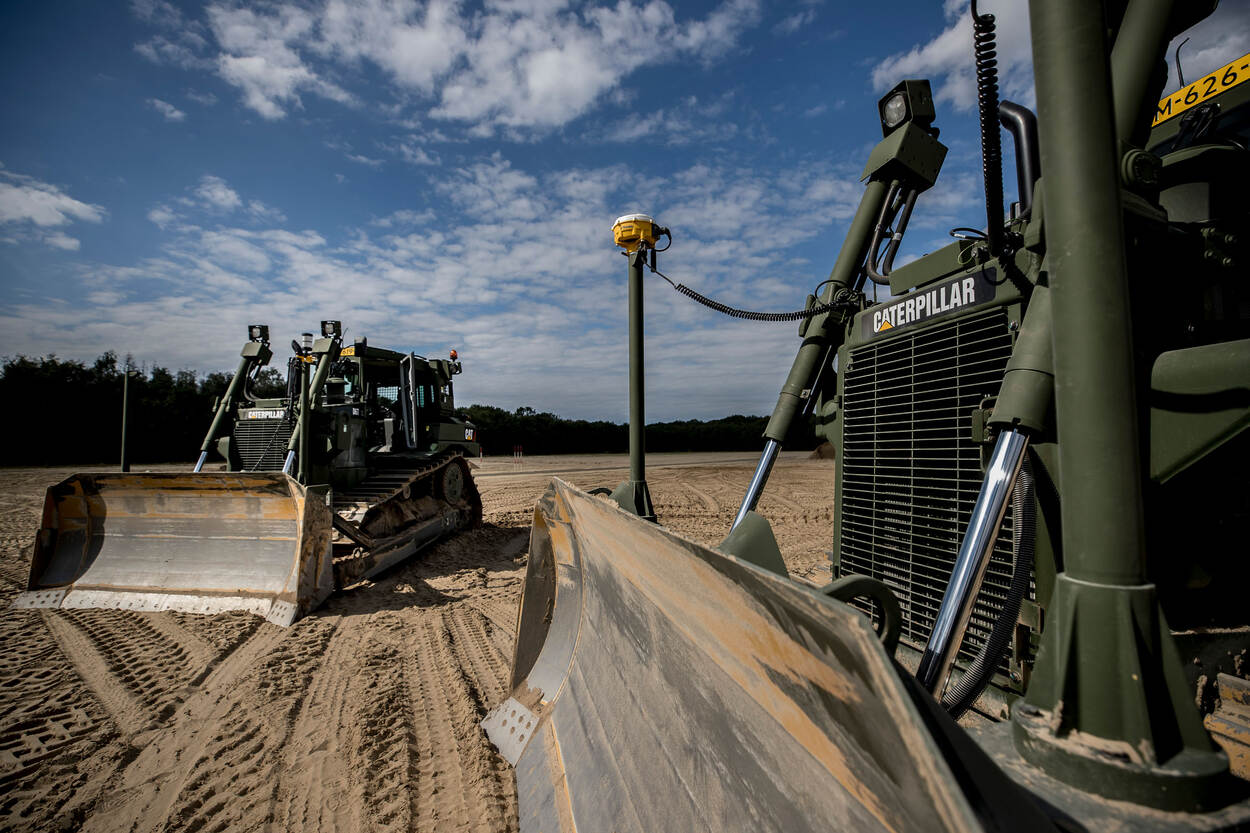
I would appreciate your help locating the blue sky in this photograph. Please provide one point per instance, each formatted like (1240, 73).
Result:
(442, 175)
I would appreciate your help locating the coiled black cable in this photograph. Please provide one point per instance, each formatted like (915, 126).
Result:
(841, 301)
(985, 51)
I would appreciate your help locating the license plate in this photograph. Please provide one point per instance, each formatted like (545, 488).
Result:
(1207, 87)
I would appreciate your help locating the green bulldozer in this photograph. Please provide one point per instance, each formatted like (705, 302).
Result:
(363, 463)
(1038, 618)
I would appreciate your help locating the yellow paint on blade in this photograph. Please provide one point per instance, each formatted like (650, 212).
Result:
(1205, 88)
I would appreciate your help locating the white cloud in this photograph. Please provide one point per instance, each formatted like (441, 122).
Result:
(214, 196)
(519, 251)
(947, 58)
(268, 213)
(162, 216)
(214, 192)
(207, 99)
(34, 210)
(367, 161)
(1214, 42)
(793, 23)
(689, 122)
(259, 58)
(181, 43)
(60, 240)
(404, 217)
(169, 111)
(511, 67)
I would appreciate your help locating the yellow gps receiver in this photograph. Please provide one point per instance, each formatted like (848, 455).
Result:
(634, 230)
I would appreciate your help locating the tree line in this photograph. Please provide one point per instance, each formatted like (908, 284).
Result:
(68, 412)
(546, 433)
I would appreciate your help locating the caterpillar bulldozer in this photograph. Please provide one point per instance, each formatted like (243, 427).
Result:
(363, 463)
(1038, 618)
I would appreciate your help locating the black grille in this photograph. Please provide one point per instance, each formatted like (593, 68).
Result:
(261, 443)
(911, 472)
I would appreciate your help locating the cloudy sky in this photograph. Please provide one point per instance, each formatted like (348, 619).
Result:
(444, 175)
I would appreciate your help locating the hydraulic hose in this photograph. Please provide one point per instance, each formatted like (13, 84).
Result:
(964, 691)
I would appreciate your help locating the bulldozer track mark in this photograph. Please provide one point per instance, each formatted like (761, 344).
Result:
(96, 668)
(286, 729)
(14, 577)
(478, 657)
(241, 743)
(318, 798)
(198, 651)
(383, 738)
(50, 723)
(222, 631)
(474, 794)
(500, 615)
(710, 504)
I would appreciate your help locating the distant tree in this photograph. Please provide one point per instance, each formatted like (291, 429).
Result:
(269, 384)
(60, 412)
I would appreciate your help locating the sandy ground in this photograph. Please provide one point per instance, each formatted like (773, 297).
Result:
(363, 716)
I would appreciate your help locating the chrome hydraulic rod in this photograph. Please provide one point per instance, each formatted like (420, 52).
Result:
(762, 470)
(973, 558)
(227, 400)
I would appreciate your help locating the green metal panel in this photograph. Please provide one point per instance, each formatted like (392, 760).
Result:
(1199, 400)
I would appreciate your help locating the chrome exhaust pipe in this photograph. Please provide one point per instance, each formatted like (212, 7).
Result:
(973, 558)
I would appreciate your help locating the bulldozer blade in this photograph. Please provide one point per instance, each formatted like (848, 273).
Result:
(661, 685)
(202, 543)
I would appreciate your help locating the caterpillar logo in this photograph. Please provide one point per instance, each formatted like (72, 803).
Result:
(957, 293)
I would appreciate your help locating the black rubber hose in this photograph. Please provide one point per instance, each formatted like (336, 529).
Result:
(986, 54)
(964, 692)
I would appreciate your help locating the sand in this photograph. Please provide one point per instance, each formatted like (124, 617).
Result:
(361, 717)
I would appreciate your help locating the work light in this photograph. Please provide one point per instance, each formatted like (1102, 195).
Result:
(258, 332)
(329, 329)
(909, 101)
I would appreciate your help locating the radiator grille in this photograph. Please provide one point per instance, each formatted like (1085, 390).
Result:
(261, 443)
(911, 472)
